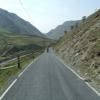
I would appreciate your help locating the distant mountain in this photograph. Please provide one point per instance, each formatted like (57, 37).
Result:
(59, 30)
(12, 23)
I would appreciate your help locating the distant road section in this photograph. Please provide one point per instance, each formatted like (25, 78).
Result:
(49, 79)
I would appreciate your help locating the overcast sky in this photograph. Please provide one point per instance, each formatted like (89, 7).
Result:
(47, 14)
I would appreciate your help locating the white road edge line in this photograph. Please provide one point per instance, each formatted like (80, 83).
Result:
(78, 76)
(2, 96)
(70, 69)
(93, 89)
(8, 89)
(25, 69)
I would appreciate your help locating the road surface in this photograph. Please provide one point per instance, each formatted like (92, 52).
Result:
(49, 79)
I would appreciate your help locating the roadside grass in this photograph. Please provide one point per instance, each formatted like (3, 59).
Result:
(7, 74)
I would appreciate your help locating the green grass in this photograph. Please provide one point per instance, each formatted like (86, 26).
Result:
(7, 74)
(18, 39)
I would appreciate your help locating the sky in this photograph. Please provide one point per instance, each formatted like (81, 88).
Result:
(48, 14)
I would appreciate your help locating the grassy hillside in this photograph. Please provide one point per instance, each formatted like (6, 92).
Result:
(18, 35)
(11, 43)
(80, 48)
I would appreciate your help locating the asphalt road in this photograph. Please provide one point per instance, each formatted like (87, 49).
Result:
(48, 79)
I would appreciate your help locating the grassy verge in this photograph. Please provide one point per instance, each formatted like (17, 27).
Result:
(7, 74)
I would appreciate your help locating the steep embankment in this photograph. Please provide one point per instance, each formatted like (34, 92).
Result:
(80, 48)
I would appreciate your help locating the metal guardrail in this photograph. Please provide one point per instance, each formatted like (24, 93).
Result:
(3, 68)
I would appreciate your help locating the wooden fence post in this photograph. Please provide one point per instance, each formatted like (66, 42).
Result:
(18, 62)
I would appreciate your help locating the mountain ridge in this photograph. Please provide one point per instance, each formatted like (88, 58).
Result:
(58, 32)
(13, 23)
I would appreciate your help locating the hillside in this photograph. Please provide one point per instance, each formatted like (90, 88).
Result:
(59, 30)
(10, 44)
(18, 35)
(80, 49)
(12, 23)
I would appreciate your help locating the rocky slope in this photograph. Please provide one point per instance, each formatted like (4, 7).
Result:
(80, 48)
(59, 30)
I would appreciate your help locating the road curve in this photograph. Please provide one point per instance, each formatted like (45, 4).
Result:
(49, 79)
